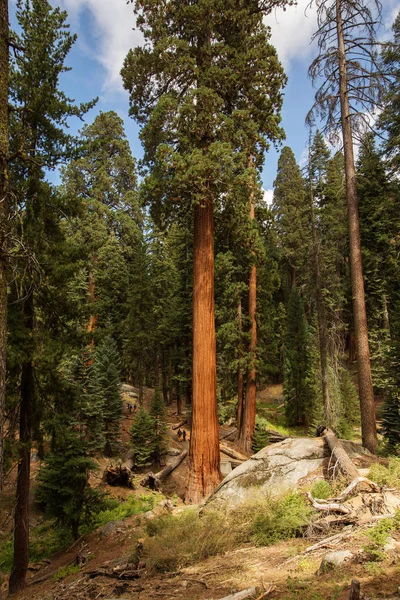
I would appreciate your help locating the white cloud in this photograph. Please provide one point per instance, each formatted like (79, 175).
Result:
(114, 22)
(268, 196)
(292, 30)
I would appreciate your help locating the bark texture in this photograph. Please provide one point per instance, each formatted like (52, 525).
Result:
(21, 529)
(321, 317)
(240, 372)
(204, 463)
(3, 216)
(367, 403)
(246, 430)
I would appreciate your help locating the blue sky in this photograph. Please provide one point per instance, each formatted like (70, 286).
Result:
(106, 31)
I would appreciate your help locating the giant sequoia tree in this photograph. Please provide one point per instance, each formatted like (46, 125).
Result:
(352, 87)
(204, 78)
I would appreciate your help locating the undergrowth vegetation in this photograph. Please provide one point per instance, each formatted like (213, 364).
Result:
(49, 538)
(389, 475)
(172, 542)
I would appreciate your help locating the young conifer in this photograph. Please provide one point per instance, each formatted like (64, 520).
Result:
(142, 438)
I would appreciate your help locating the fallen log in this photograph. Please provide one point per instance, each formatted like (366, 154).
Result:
(242, 595)
(114, 573)
(275, 437)
(232, 453)
(343, 460)
(228, 435)
(179, 425)
(153, 480)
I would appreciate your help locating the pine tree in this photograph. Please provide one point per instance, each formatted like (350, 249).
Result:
(292, 214)
(39, 141)
(389, 120)
(188, 115)
(352, 85)
(4, 215)
(157, 412)
(142, 438)
(63, 484)
(296, 386)
(379, 225)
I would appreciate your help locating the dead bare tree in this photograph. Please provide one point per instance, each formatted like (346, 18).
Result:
(351, 91)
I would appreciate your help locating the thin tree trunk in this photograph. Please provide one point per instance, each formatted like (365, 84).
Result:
(204, 462)
(21, 528)
(178, 399)
(240, 371)
(246, 431)
(321, 314)
(367, 403)
(3, 218)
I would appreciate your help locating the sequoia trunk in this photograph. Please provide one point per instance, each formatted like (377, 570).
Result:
(204, 463)
(367, 404)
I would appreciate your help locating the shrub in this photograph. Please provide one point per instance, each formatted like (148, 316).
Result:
(283, 519)
(65, 572)
(176, 541)
(389, 475)
(321, 489)
(378, 535)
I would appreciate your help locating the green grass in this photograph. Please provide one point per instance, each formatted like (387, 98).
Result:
(118, 511)
(46, 540)
(65, 572)
(389, 475)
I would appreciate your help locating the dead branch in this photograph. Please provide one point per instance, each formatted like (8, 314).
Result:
(328, 507)
(153, 480)
(114, 573)
(374, 486)
(327, 541)
(241, 595)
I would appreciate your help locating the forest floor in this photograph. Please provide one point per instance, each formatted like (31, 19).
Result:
(281, 571)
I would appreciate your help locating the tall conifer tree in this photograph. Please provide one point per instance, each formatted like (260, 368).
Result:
(352, 85)
(39, 140)
(4, 216)
(185, 85)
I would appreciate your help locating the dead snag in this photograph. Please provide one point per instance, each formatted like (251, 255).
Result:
(153, 480)
(354, 590)
(241, 595)
(118, 476)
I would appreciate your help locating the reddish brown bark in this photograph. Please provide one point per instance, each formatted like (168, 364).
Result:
(204, 459)
(239, 416)
(3, 216)
(246, 431)
(367, 403)
(19, 570)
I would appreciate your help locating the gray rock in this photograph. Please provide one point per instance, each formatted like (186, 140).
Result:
(226, 467)
(173, 452)
(332, 560)
(273, 471)
(111, 528)
(391, 545)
